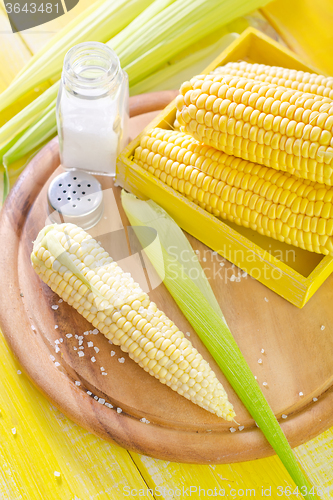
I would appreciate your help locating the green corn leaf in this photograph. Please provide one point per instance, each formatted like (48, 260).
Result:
(6, 184)
(29, 115)
(210, 326)
(175, 73)
(101, 23)
(35, 135)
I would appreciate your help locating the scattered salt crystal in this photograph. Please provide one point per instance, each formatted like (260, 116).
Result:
(265, 384)
(75, 348)
(96, 349)
(262, 351)
(260, 361)
(144, 420)
(232, 278)
(256, 424)
(188, 334)
(86, 333)
(76, 336)
(110, 342)
(109, 405)
(54, 307)
(52, 357)
(93, 359)
(80, 337)
(241, 427)
(221, 264)
(102, 369)
(57, 474)
(244, 274)
(57, 341)
(33, 328)
(96, 397)
(61, 341)
(90, 344)
(121, 360)
(301, 394)
(60, 301)
(119, 410)
(232, 429)
(89, 393)
(95, 332)
(112, 353)
(69, 335)
(314, 399)
(266, 299)
(13, 431)
(204, 259)
(21, 294)
(101, 401)
(81, 348)
(56, 364)
(238, 279)
(284, 416)
(81, 354)
(19, 372)
(322, 327)
(80, 342)
(255, 377)
(197, 252)
(56, 327)
(77, 382)
(104, 373)
(57, 349)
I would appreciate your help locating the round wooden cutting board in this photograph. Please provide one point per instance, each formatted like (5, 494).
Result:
(295, 346)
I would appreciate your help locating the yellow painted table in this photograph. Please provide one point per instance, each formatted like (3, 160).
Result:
(36, 440)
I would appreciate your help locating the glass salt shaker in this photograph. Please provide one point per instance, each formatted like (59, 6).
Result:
(92, 109)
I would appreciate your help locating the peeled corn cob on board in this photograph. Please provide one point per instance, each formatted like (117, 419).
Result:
(264, 168)
(147, 416)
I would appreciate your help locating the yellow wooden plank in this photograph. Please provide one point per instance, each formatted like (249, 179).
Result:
(249, 479)
(316, 458)
(46, 441)
(306, 26)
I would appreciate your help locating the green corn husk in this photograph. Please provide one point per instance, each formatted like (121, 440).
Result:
(164, 29)
(34, 136)
(6, 184)
(175, 73)
(102, 22)
(178, 26)
(29, 115)
(208, 323)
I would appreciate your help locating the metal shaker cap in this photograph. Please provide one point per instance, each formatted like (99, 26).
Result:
(75, 197)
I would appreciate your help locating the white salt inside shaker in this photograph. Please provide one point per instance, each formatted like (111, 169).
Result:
(92, 109)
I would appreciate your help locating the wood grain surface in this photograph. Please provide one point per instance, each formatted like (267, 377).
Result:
(297, 354)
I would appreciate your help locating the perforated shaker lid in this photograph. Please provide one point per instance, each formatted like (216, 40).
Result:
(75, 197)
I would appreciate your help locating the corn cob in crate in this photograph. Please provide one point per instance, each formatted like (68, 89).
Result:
(276, 204)
(289, 78)
(262, 122)
(83, 274)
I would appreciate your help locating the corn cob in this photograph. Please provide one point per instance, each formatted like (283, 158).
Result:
(290, 78)
(281, 128)
(79, 270)
(275, 204)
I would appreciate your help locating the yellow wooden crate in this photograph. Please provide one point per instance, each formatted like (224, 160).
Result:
(293, 273)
